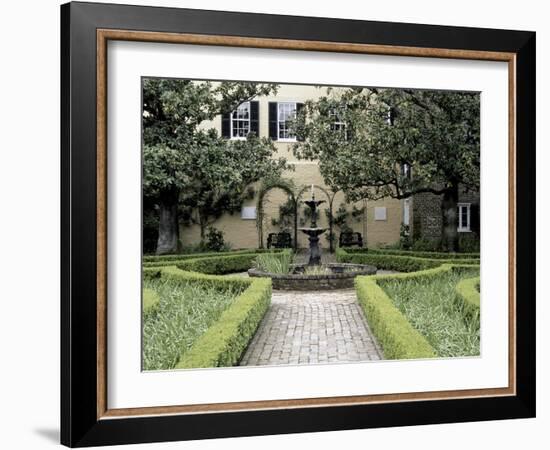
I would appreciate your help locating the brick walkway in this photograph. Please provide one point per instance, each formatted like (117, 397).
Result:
(312, 327)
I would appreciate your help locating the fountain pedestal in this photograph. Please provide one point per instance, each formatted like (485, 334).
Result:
(314, 251)
(313, 232)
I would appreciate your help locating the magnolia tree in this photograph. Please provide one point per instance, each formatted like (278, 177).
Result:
(374, 143)
(186, 163)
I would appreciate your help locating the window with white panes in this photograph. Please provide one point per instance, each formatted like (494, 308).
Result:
(240, 121)
(286, 113)
(338, 124)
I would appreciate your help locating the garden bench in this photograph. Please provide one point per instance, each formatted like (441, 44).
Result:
(350, 238)
(279, 240)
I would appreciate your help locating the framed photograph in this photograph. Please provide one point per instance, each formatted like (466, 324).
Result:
(278, 224)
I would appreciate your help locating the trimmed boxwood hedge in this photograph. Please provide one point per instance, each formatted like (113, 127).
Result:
(226, 340)
(401, 263)
(398, 338)
(413, 253)
(223, 343)
(467, 292)
(158, 260)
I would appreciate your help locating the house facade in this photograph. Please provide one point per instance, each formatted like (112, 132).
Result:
(380, 222)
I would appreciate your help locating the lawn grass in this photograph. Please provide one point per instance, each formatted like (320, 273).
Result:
(183, 314)
(431, 307)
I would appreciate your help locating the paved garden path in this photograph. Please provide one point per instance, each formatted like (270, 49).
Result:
(312, 327)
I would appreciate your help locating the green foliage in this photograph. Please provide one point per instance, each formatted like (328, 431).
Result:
(417, 254)
(223, 343)
(274, 262)
(214, 240)
(219, 265)
(434, 132)
(427, 244)
(467, 293)
(208, 174)
(429, 304)
(150, 301)
(185, 311)
(175, 259)
(405, 237)
(399, 340)
(469, 242)
(285, 222)
(398, 262)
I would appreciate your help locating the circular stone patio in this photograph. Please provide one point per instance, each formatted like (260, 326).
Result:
(310, 328)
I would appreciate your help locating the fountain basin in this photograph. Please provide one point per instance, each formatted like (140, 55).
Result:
(335, 276)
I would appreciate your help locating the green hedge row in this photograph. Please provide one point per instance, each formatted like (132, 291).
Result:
(219, 265)
(417, 254)
(224, 342)
(467, 292)
(173, 273)
(184, 256)
(398, 338)
(397, 262)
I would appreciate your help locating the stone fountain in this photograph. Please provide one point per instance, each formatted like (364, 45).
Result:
(330, 276)
(313, 232)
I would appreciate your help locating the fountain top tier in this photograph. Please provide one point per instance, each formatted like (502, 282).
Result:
(313, 204)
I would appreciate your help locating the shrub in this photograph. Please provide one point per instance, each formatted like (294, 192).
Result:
(274, 262)
(162, 259)
(468, 242)
(224, 342)
(426, 244)
(397, 336)
(419, 254)
(219, 265)
(405, 237)
(214, 240)
(428, 301)
(399, 340)
(396, 261)
(185, 312)
(467, 293)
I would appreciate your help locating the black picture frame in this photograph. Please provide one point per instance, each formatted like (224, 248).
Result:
(80, 425)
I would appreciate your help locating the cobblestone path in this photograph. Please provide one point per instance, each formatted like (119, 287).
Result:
(312, 327)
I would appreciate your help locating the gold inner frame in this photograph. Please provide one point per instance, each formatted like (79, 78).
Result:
(103, 36)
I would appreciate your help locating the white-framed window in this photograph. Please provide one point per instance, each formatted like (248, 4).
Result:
(338, 124)
(240, 121)
(463, 211)
(248, 213)
(286, 112)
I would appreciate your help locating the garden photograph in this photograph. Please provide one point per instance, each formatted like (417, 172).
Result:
(290, 224)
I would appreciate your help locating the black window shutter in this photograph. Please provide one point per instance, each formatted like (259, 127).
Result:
(474, 218)
(273, 120)
(255, 118)
(299, 106)
(226, 128)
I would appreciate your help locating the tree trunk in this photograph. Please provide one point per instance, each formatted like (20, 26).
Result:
(449, 211)
(168, 222)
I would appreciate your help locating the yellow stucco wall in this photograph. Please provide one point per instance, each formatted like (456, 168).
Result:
(241, 233)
